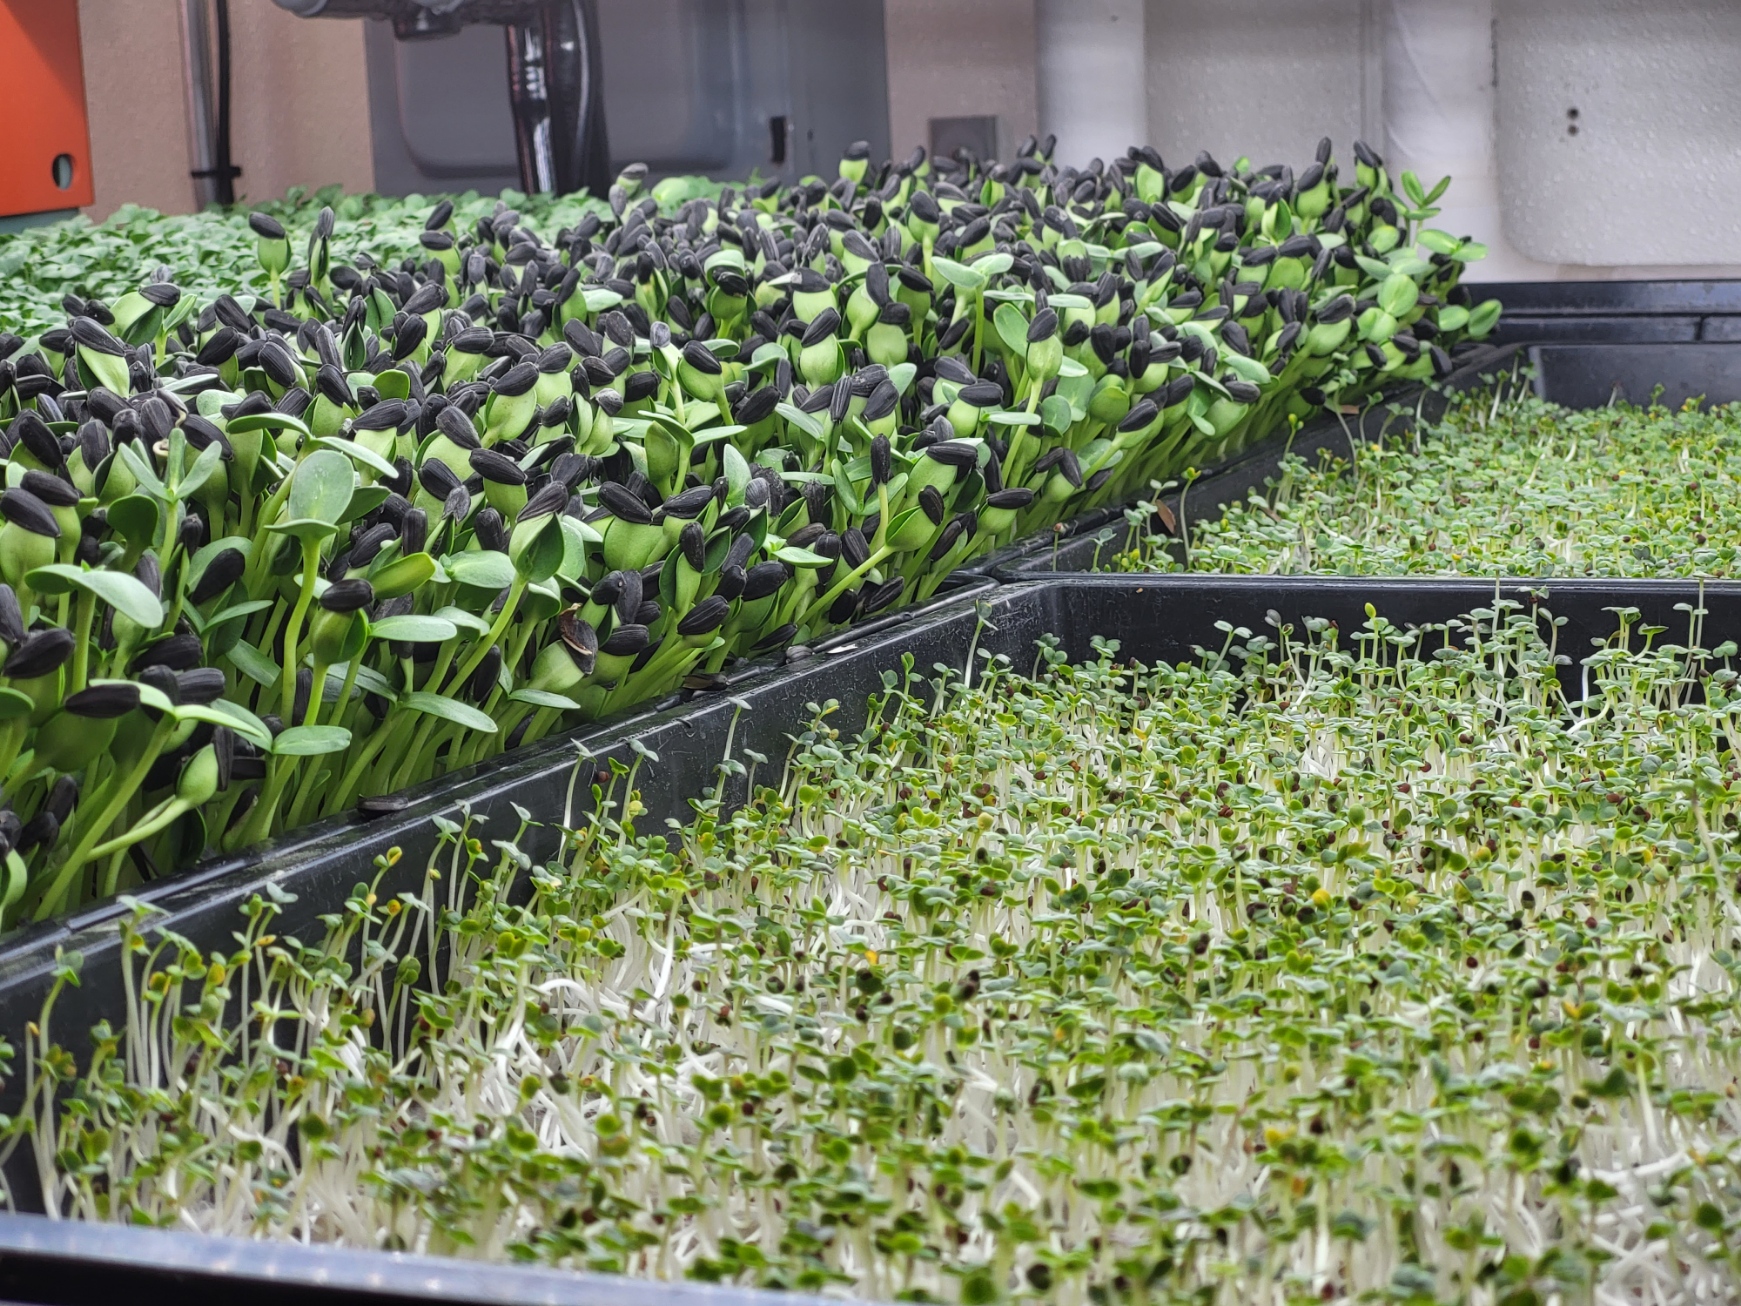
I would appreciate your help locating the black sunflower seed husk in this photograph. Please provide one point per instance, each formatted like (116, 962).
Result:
(701, 358)
(103, 702)
(88, 333)
(414, 531)
(202, 434)
(178, 652)
(631, 587)
(484, 680)
(692, 542)
(39, 653)
(551, 498)
(878, 597)
(946, 540)
(731, 581)
(496, 467)
(32, 432)
(844, 608)
(707, 615)
(266, 226)
(162, 679)
(61, 797)
(200, 685)
(457, 426)
(579, 637)
(352, 595)
(931, 503)
(458, 504)
(648, 613)
(626, 641)
(43, 828)
(686, 505)
(954, 453)
(223, 571)
(624, 504)
(437, 478)
(224, 750)
(384, 415)
(378, 805)
(12, 631)
(52, 490)
(24, 509)
(1012, 498)
(764, 579)
(491, 534)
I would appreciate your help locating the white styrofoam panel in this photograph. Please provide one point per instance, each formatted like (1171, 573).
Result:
(958, 59)
(1091, 76)
(1618, 129)
(1263, 78)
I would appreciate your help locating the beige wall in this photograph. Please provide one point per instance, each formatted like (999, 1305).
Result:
(960, 58)
(299, 103)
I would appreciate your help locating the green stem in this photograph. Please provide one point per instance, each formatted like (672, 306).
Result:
(159, 818)
(840, 586)
(87, 610)
(122, 788)
(293, 631)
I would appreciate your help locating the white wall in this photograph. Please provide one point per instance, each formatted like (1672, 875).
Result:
(1619, 129)
(1477, 89)
(961, 59)
(1093, 91)
(1263, 78)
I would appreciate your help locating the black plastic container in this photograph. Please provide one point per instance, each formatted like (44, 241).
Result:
(1576, 375)
(1153, 618)
(1571, 311)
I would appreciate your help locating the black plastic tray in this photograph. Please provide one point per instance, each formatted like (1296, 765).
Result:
(1576, 375)
(1568, 311)
(1153, 618)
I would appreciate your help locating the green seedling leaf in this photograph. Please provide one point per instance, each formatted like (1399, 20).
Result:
(142, 470)
(357, 453)
(460, 714)
(798, 557)
(487, 569)
(311, 741)
(1012, 329)
(805, 422)
(135, 518)
(210, 458)
(254, 664)
(542, 698)
(126, 594)
(402, 575)
(272, 421)
(320, 487)
(958, 274)
(413, 628)
(464, 620)
(222, 712)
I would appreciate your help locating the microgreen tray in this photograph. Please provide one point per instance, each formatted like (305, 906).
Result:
(1626, 311)
(1153, 619)
(1577, 375)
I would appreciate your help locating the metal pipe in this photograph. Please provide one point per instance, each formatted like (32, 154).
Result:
(197, 65)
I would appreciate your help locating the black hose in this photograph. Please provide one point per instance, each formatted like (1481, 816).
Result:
(224, 172)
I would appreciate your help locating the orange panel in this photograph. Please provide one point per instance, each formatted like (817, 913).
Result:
(45, 144)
